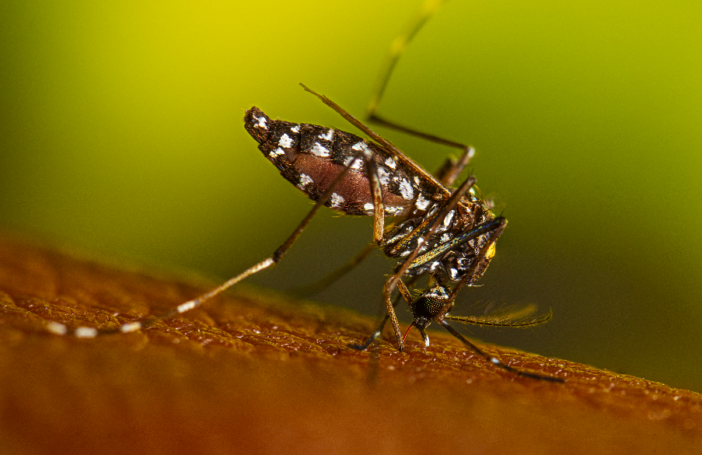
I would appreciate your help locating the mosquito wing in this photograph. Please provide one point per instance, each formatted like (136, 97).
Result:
(519, 316)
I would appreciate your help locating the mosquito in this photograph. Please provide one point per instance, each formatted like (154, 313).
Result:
(430, 227)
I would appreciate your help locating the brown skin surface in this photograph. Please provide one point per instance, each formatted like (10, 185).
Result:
(255, 373)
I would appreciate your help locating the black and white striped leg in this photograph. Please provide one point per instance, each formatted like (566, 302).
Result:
(91, 332)
(494, 360)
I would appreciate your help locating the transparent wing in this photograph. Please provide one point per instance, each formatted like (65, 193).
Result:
(519, 316)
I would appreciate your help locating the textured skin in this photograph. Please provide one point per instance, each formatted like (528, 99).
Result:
(251, 373)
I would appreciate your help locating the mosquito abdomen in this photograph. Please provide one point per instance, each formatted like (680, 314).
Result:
(311, 157)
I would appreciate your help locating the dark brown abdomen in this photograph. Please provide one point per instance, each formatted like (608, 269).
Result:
(311, 157)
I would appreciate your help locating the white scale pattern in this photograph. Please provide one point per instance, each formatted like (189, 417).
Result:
(285, 141)
(304, 181)
(383, 175)
(337, 201)
(449, 217)
(393, 211)
(422, 203)
(320, 150)
(406, 190)
(276, 153)
(261, 122)
(357, 163)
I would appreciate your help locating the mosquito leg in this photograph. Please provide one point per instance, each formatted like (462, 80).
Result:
(494, 360)
(452, 168)
(377, 333)
(405, 292)
(90, 332)
(378, 214)
(377, 192)
(331, 278)
(389, 286)
(467, 150)
(397, 48)
(379, 230)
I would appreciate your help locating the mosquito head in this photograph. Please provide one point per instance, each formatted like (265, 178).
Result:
(431, 304)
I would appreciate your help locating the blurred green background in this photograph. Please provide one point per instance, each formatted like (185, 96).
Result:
(122, 134)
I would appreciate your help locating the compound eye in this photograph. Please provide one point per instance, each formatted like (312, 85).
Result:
(433, 302)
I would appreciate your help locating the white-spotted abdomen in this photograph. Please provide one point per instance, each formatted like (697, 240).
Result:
(311, 157)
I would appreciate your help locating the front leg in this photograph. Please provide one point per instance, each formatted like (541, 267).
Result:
(387, 297)
(377, 192)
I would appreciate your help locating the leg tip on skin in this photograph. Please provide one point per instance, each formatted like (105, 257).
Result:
(57, 328)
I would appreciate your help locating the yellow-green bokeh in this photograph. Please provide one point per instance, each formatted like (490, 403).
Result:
(121, 132)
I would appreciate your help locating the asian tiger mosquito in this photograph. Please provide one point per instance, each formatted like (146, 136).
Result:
(445, 233)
